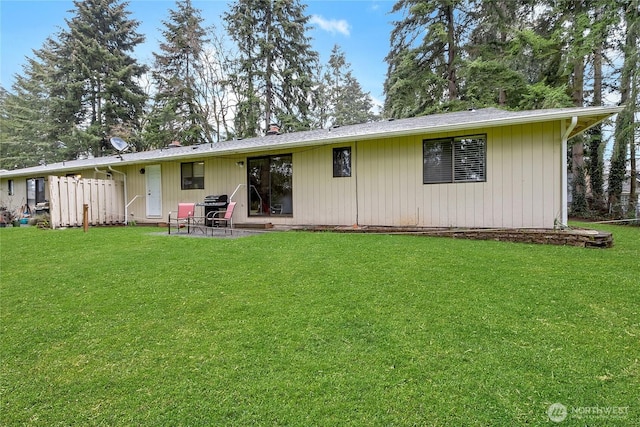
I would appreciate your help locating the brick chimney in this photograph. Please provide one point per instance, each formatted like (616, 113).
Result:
(274, 129)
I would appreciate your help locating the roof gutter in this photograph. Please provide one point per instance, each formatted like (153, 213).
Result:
(448, 127)
(600, 113)
(564, 199)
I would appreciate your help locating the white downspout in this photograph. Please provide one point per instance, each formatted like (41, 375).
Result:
(126, 206)
(565, 192)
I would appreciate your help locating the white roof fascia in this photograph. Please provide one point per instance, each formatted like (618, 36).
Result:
(524, 119)
(209, 150)
(532, 118)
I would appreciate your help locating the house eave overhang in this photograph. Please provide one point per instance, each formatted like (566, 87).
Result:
(426, 125)
(587, 118)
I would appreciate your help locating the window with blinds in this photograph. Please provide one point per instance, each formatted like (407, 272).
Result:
(460, 159)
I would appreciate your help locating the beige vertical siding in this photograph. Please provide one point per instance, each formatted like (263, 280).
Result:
(221, 176)
(389, 177)
(19, 197)
(136, 186)
(318, 197)
(523, 186)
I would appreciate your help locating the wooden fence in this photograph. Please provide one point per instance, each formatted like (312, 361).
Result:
(67, 195)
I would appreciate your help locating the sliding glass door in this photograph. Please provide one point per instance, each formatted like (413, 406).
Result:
(270, 185)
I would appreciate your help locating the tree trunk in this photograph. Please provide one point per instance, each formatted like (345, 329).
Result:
(268, 66)
(633, 52)
(633, 187)
(595, 189)
(624, 131)
(579, 199)
(451, 41)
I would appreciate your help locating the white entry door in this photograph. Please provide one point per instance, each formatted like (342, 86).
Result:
(154, 191)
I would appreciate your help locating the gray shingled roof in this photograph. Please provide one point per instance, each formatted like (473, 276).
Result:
(487, 117)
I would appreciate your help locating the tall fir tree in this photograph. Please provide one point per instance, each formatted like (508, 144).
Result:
(102, 75)
(353, 105)
(20, 144)
(424, 57)
(274, 80)
(344, 100)
(178, 111)
(533, 50)
(573, 26)
(491, 74)
(624, 127)
(633, 52)
(604, 20)
(38, 113)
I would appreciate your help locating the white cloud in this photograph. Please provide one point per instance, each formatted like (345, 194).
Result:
(378, 104)
(332, 26)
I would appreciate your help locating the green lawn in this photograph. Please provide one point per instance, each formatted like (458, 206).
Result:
(122, 326)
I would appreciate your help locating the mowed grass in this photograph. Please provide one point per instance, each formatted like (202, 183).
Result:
(122, 326)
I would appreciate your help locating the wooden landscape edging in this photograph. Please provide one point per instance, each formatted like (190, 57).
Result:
(572, 237)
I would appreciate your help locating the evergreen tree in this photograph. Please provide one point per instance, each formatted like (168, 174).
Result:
(18, 136)
(604, 20)
(584, 27)
(178, 113)
(353, 105)
(320, 107)
(491, 75)
(32, 129)
(595, 170)
(574, 26)
(536, 52)
(624, 129)
(102, 75)
(15, 151)
(523, 54)
(276, 62)
(24, 140)
(424, 57)
(632, 51)
(343, 100)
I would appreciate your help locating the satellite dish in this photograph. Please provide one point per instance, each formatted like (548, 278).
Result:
(119, 144)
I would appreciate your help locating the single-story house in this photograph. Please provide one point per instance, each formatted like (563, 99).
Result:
(626, 195)
(485, 168)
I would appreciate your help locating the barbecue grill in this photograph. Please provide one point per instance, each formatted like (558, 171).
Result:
(214, 203)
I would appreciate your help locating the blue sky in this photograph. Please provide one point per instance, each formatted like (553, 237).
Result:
(360, 27)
